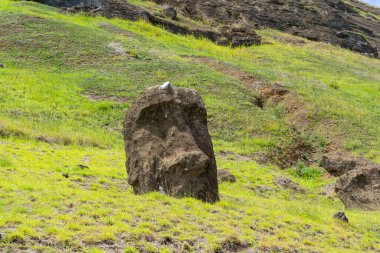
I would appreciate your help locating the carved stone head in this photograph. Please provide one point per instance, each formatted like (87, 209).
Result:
(168, 146)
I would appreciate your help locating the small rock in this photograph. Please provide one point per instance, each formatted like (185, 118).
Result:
(86, 158)
(286, 183)
(81, 166)
(341, 216)
(262, 189)
(328, 191)
(339, 163)
(222, 42)
(1, 65)
(2, 236)
(226, 176)
(233, 244)
(170, 12)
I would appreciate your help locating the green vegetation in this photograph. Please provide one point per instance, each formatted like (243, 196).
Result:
(63, 93)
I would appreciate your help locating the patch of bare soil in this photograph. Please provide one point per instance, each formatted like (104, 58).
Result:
(296, 110)
(289, 155)
(234, 156)
(250, 81)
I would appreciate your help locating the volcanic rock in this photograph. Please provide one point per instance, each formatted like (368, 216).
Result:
(170, 12)
(333, 21)
(226, 176)
(168, 146)
(341, 216)
(286, 183)
(328, 191)
(360, 188)
(338, 163)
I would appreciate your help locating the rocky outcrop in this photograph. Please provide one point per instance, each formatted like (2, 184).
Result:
(168, 146)
(286, 183)
(339, 163)
(358, 185)
(341, 216)
(360, 188)
(228, 36)
(226, 176)
(71, 3)
(234, 22)
(332, 21)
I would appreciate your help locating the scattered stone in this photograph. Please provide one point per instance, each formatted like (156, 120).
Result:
(168, 146)
(167, 240)
(226, 176)
(328, 191)
(82, 167)
(86, 158)
(262, 189)
(339, 163)
(233, 244)
(170, 12)
(91, 9)
(341, 216)
(286, 183)
(1, 65)
(2, 236)
(360, 188)
(239, 36)
(344, 26)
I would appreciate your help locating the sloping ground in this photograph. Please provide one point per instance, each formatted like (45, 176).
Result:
(66, 83)
(350, 24)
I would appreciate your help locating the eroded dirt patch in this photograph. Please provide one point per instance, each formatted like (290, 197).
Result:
(250, 81)
(296, 111)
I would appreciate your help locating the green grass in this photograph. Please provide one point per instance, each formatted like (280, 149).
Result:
(49, 125)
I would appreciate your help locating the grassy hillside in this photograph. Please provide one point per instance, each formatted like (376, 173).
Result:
(68, 80)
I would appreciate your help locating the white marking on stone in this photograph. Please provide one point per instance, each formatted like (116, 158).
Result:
(165, 86)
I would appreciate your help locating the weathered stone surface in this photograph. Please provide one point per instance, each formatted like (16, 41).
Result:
(360, 188)
(226, 176)
(170, 12)
(341, 216)
(286, 183)
(122, 9)
(333, 21)
(71, 3)
(328, 191)
(168, 146)
(339, 163)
